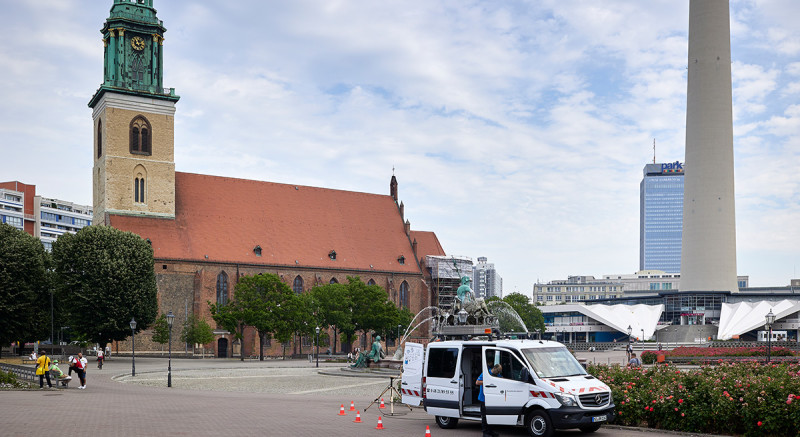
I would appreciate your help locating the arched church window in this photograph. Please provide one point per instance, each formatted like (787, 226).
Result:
(222, 288)
(99, 138)
(298, 285)
(138, 190)
(334, 281)
(371, 282)
(404, 295)
(140, 136)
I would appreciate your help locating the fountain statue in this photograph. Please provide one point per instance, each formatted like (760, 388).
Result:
(374, 355)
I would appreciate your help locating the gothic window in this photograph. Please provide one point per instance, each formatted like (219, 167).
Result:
(371, 282)
(99, 138)
(140, 136)
(137, 70)
(404, 295)
(222, 288)
(334, 281)
(138, 190)
(298, 285)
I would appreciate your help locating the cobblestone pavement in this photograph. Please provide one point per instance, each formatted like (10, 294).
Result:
(217, 397)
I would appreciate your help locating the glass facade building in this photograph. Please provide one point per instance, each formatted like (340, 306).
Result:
(661, 217)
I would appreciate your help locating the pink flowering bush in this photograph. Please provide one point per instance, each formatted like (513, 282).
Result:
(740, 398)
(759, 352)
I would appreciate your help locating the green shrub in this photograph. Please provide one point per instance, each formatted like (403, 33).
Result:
(9, 380)
(740, 398)
(649, 357)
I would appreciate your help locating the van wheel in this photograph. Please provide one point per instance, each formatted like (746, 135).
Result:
(537, 422)
(446, 422)
(590, 428)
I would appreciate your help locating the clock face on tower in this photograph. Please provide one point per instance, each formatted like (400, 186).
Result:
(137, 43)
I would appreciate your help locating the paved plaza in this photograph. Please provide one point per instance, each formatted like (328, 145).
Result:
(219, 397)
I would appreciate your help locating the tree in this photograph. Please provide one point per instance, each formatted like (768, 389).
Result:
(371, 311)
(330, 305)
(24, 287)
(267, 304)
(530, 315)
(229, 317)
(196, 331)
(161, 331)
(105, 279)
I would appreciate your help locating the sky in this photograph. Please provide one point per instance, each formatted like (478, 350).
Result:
(517, 130)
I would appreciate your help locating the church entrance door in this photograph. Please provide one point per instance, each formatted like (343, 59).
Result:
(222, 348)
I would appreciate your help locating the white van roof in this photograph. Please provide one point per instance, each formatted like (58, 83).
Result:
(514, 344)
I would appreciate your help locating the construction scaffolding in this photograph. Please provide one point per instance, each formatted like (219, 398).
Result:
(446, 273)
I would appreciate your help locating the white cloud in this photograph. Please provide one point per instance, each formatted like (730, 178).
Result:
(518, 131)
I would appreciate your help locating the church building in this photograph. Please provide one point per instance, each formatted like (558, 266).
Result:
(208, 231)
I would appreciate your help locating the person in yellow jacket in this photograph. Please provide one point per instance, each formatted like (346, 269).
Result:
(43, 370)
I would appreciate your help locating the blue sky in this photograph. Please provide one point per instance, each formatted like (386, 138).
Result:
(518, 130)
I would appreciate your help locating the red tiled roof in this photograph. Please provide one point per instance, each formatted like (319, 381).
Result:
(427, 244)
(226, 218)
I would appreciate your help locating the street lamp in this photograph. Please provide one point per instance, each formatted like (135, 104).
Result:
(133, 347)
(317, 331)
(399, 327)
(770, 319)
(170, 319)
(642, 335)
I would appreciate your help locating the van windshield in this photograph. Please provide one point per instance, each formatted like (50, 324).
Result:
(551, 362)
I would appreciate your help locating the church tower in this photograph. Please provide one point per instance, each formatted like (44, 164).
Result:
(134, 118)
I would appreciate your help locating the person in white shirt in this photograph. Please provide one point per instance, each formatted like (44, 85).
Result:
(80, 366)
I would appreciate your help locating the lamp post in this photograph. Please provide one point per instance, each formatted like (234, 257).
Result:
(642, 336)
(317, 331)
(770, 319)
(398, 335)
(133, 347)
(170, 319)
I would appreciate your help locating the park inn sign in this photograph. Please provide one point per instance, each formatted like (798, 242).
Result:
(672, 167)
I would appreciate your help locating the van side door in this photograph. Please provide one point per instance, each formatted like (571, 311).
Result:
(442, 388)
(411, 381)
(506, 394)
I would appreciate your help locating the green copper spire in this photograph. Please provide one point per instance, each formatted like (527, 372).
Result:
(133, 38)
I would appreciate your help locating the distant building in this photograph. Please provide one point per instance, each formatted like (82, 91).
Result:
(485, 280)
(44, 218)
(588, 288)
(445, 273)
(661, 217)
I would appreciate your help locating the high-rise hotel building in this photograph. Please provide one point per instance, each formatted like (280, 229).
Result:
(661, 217)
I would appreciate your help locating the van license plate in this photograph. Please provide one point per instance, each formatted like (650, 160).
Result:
(599, 418)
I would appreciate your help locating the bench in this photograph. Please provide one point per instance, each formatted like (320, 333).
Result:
(64, 382)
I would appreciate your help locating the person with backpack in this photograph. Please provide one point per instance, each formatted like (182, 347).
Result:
(43, 369)
(80, 366)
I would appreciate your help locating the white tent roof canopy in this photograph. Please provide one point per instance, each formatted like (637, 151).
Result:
(619, 317)
(738, 318)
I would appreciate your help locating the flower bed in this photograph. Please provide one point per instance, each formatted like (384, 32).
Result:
(741, 398)
(649, 357)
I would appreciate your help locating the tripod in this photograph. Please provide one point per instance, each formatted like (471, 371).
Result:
(392, 390)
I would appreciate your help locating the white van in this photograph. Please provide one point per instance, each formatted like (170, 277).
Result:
(542, 386)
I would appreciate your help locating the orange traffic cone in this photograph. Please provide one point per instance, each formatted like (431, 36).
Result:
(358, 417)
(341, 411)
(427, 431)
(382, 405)
(380, 423)
(352, 406)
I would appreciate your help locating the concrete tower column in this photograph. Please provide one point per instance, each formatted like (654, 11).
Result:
(708, 254)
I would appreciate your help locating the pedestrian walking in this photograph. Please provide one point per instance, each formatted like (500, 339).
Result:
(43, 369)
(629, 351)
